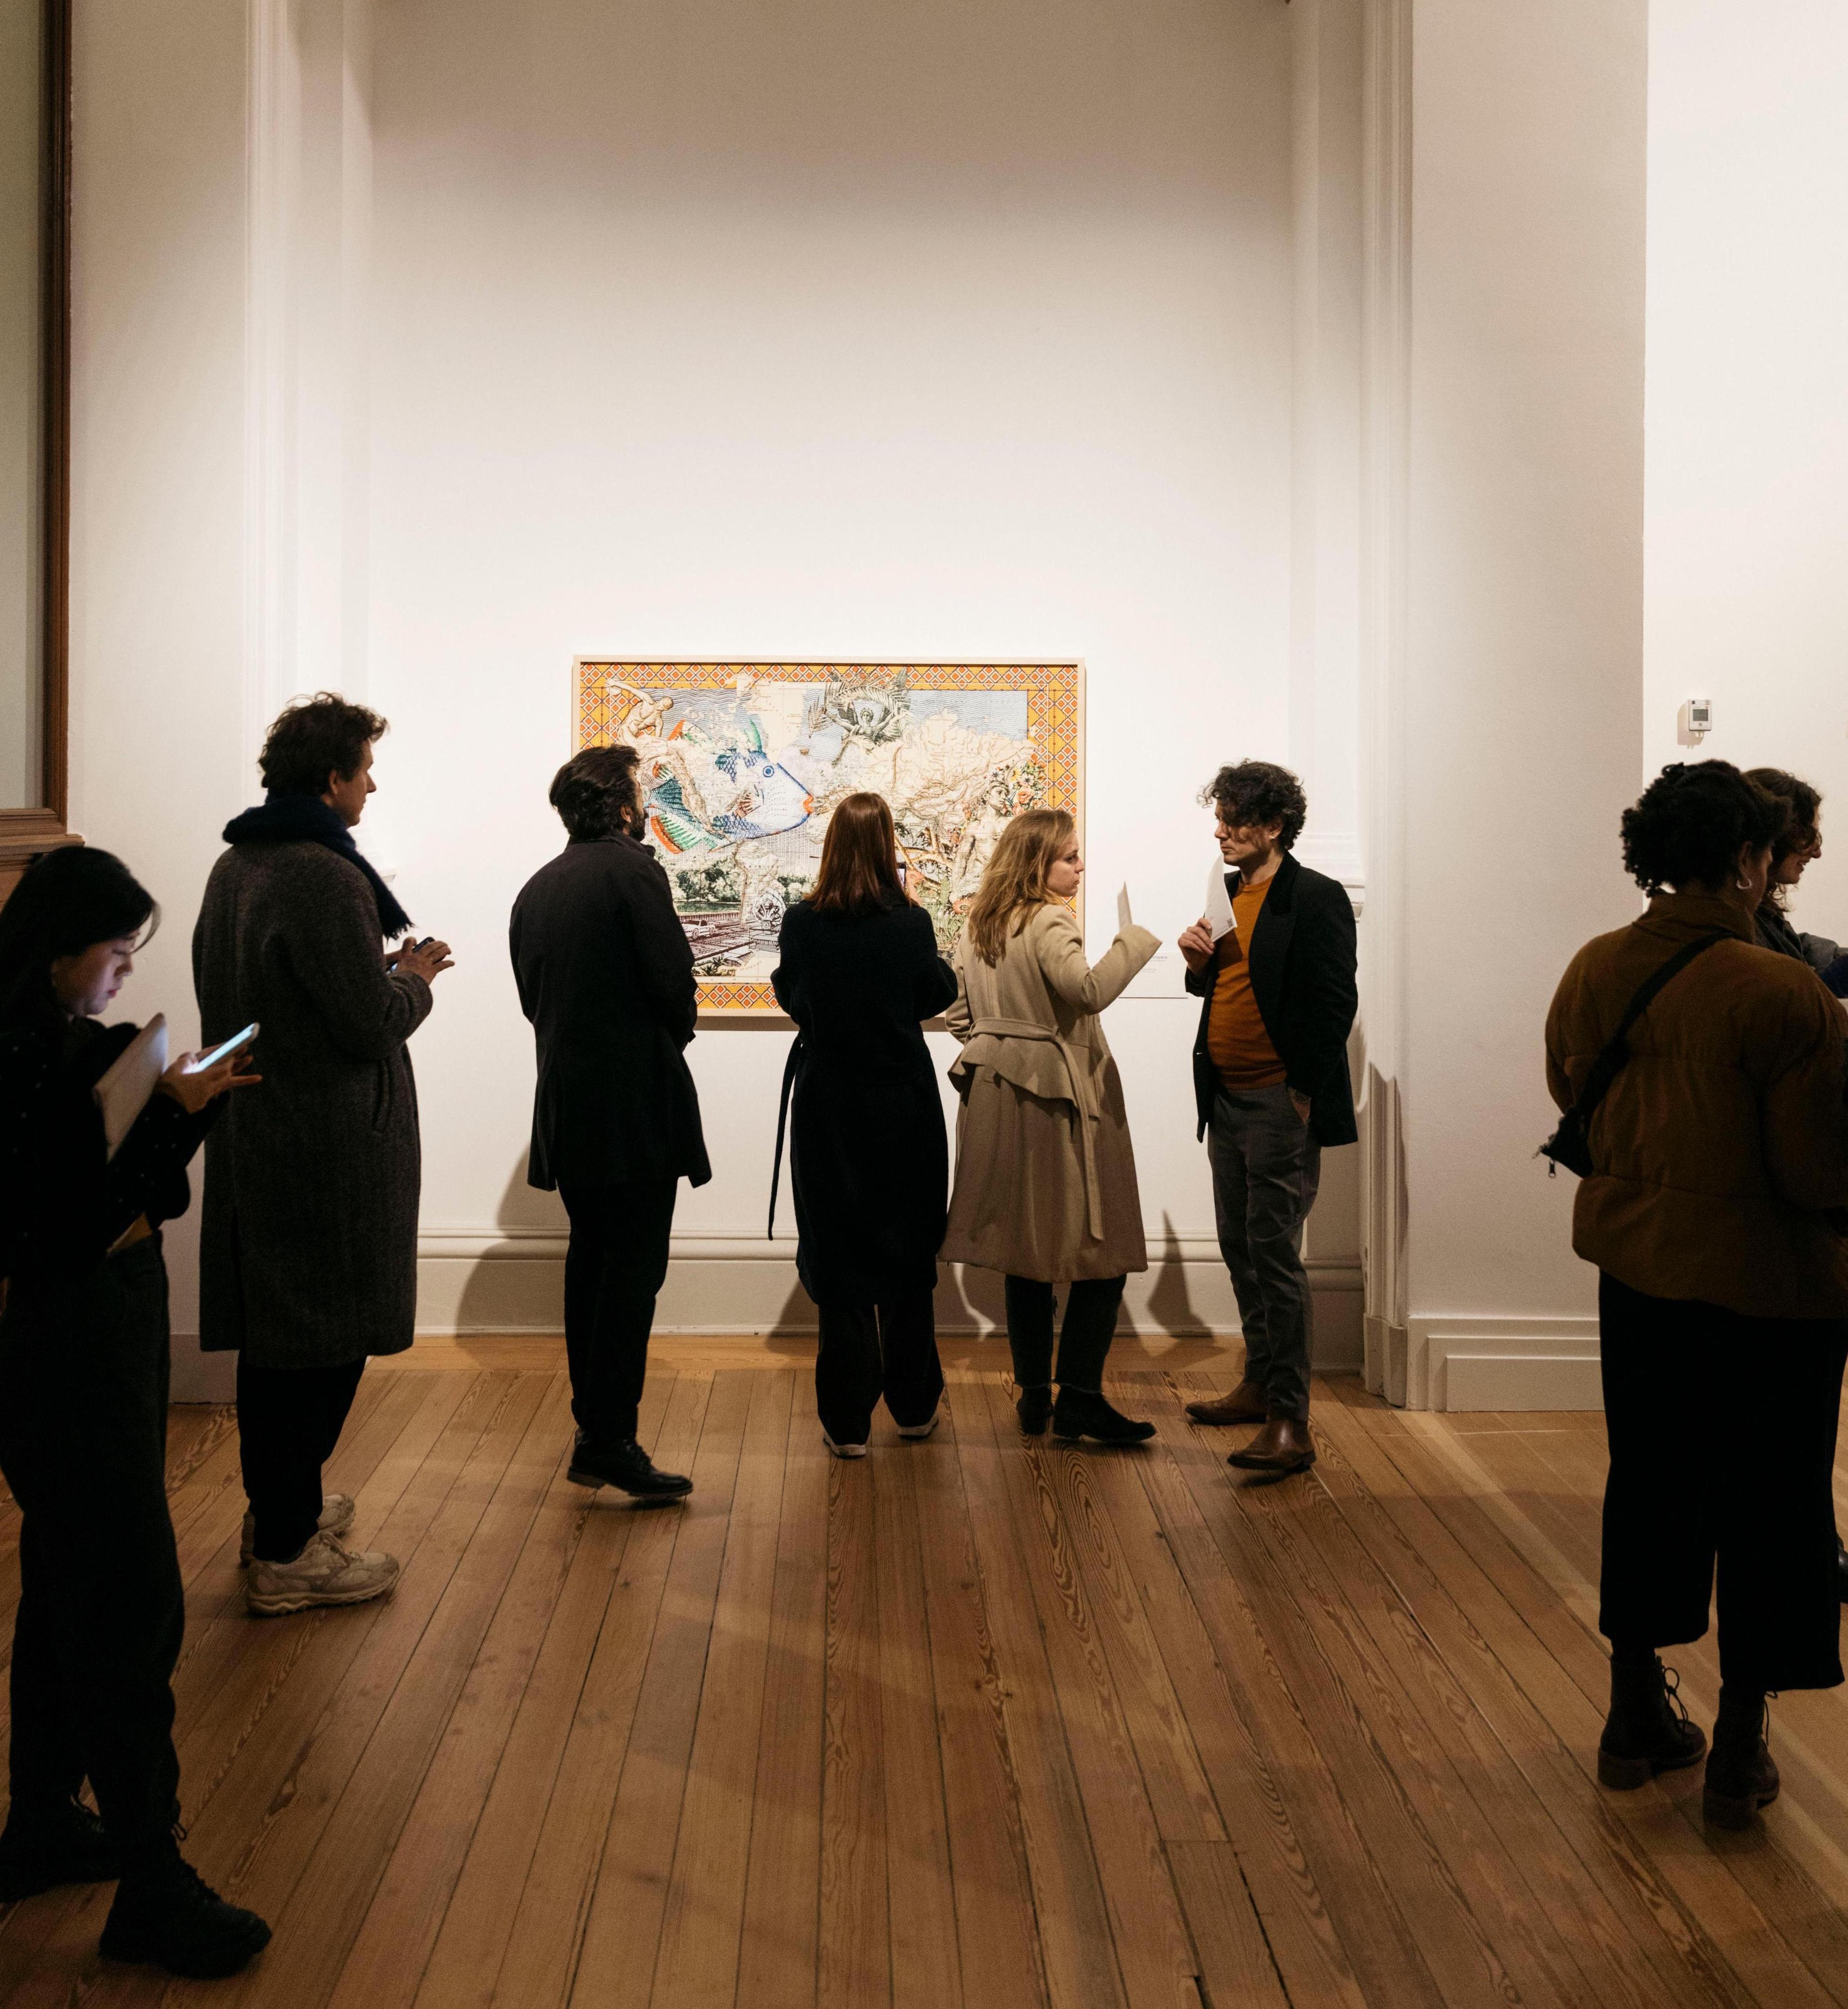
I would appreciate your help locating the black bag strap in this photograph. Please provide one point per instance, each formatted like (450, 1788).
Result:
(1609, 1062)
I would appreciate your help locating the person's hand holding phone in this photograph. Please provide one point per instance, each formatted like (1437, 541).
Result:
(427, 959)
(193, 1090)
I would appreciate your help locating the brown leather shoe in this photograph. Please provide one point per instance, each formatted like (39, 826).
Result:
(1284, 1445)
(1245, 1404)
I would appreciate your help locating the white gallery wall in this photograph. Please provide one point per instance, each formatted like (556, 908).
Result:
(1284, 362)
(1747, 491)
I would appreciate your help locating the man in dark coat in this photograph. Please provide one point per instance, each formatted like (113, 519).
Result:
(1272, 1086)
(606, 975)
(308, 1256)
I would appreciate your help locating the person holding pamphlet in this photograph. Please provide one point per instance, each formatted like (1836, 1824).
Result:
(96, 1131)
(1045, 1175)
(1272, 960)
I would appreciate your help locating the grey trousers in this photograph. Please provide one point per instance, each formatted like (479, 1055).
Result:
(1266, 1165)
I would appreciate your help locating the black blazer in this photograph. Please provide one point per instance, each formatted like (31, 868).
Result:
(1302, 958)
(606, 975)
(869, 1161)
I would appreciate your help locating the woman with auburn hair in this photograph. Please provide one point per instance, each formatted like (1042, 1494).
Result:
(1046, 1179)
(868, 1158)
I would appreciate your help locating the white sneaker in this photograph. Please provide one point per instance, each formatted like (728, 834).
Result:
(922, 1429)
(326, 1572)
(843, 1451)
(336, 1518)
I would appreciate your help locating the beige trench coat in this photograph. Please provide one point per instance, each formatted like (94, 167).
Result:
(1045, 1176)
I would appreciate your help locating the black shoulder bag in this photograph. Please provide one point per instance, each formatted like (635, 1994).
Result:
(1570, 1144)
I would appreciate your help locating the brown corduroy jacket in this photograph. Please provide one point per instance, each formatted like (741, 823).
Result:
(1722, 1148)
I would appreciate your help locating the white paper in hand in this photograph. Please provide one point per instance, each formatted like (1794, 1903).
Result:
(122, 1093)
(1218, 913)
(1123, 914)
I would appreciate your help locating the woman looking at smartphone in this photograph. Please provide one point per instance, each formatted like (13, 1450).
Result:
(1045, 1176)
(83, 1375)
(869, 1156)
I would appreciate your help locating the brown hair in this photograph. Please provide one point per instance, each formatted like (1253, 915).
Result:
(859, 859)
(315, 737)
(1014, 882)
(1805, 804)
(591, 791)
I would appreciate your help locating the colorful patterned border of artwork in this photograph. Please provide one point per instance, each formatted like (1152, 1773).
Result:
(1053, 692)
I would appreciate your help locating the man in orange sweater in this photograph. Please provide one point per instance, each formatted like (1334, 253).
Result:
(1271, 1083)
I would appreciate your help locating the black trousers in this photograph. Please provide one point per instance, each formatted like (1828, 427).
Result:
(1090, 1325)
(867, 1351)
(83, 1375)
(1712, 1465)
(613, 1270)
(288, 1421)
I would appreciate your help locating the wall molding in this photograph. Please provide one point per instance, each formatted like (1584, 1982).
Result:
(1462, 1363)
(476, 1280)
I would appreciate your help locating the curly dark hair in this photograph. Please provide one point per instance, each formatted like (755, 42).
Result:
(1691, 823)
(314, 737)
(593, 789)
(1806, 808)
(1260, 791)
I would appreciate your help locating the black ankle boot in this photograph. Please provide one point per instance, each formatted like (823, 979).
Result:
(1741, 1776)
(1079, 1413)
(1648, 1731)
(1034, 1407)
(59, 1842)
(165, 1914)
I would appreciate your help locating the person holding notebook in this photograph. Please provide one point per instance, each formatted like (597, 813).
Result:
(83, 1375)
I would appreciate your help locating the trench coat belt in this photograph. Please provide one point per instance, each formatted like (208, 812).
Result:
(1031, 1029)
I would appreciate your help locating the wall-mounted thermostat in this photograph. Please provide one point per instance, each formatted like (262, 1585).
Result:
(1696, 721)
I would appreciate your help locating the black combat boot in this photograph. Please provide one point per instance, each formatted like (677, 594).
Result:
(1648, 1731)
(1741, 1776)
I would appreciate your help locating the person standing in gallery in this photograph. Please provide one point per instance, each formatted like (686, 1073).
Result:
(1717, 1165)
(606, 977)
(1271, 1089)
(84, 1387)
(308, 1252)
(868, 1156)
(1045, 1186)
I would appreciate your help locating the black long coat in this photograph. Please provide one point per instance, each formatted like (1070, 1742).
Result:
(870, 1159)
(308, 1246)
(606, 975)
(1302, 955)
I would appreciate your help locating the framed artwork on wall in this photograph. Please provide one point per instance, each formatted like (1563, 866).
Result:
(742, 763)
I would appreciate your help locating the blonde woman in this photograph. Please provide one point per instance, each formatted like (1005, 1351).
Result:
(1045, 1179)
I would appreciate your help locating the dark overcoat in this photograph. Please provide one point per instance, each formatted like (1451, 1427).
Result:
(605, 974)
(1303, 983)
(308, 1249)
(869, 1157)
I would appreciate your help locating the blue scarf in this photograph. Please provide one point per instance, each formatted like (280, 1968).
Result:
(307, 820)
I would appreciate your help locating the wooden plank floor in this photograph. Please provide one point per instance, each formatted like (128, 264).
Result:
(971, 1722)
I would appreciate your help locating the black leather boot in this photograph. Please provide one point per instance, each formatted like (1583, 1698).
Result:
(60, 1842)
(1079, 1413)
(626, 1467)
(1034, 1407)
(167, 1915)
(1648, 1731)
(1741, 1776)
(1842, 1569)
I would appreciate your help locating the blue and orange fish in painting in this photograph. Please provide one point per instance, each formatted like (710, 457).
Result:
(751, 795)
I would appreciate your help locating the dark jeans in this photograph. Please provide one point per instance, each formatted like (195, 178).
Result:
(1266, 1165)
(83, 1371)
(1090, 1325)
(614, 1270)
(1711, 1463)
(865, 1353)
(288, 1421)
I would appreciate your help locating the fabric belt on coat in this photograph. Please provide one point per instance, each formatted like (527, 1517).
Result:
(795, 1053)
(1088, 1113)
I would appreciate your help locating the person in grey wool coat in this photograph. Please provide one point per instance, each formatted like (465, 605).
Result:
(308, 1247)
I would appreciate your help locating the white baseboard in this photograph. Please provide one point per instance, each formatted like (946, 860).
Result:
(1463, 1363)
(471, 1282)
